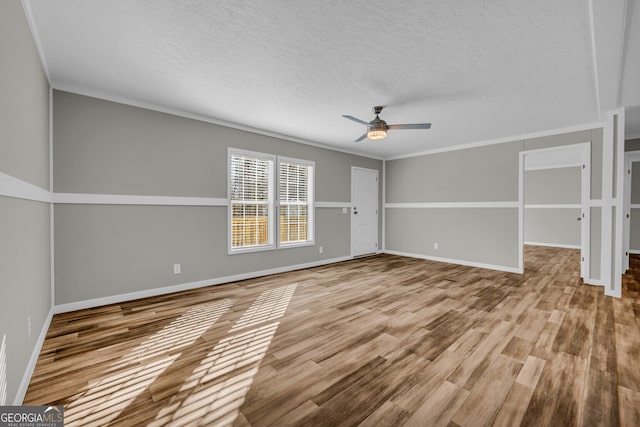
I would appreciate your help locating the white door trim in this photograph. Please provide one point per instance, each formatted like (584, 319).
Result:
(383, 245)
(630, 157)
(585, 236)
(352, 235)
(612, 239)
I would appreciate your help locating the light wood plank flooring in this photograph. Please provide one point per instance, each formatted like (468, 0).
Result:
(381, 341)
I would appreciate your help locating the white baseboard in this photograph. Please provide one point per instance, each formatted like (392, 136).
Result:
(553, 245)
(595, 282)
(634, 251)
(115, 299)
(616, 293)
(456, 261)
(26, 378)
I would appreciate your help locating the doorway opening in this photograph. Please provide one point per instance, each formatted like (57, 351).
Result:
(555, 189)
(631, 228)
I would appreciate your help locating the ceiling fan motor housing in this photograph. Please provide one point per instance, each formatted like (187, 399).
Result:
(378, 124)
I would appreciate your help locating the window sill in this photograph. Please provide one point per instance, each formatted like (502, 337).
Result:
(296, 245)
(249, 250)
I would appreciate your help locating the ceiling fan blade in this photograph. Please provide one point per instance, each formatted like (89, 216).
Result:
(361, 138)
(411, 126)
(362, 122)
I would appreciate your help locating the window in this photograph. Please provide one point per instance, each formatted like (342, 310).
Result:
(295, 194)
(251, 201)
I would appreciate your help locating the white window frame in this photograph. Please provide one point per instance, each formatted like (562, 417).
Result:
(311, 223)
(271, 245)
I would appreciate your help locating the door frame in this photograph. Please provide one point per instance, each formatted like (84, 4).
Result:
(585, 202)
(630, 157)
(351, 225)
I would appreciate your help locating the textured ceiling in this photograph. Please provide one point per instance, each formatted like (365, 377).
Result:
(476, 69)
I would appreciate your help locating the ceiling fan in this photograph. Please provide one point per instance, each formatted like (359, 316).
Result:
(377, 128)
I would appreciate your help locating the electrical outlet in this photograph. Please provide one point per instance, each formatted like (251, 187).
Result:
(29, 326)
(321, 249)
(435, 245)
(344, 210)
(176, 268)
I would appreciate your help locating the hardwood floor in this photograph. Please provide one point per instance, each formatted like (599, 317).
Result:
(380, 341)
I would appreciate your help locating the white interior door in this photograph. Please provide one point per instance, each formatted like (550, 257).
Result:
(364, 211)
(585, 235)
(628, 164)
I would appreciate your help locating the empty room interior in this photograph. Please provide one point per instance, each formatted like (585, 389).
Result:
(321, 213)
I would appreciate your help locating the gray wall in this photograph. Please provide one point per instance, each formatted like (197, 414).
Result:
(635, 183)
(472, 175)
(634, 241)
(552, 186)
(557, 225)
(552, 227)
(102, 147)
(25, 285)
(24, 103)
(481, 174)
(462, 234)
(632, 145)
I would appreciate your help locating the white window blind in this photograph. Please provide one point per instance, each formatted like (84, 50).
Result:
(251, 200)
(295, 180)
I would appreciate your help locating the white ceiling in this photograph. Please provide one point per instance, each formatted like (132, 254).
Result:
(477, 69)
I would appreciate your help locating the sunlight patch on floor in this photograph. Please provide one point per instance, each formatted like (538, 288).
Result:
(3, 371)
(270, 305)
(216, 390)
(105, 400)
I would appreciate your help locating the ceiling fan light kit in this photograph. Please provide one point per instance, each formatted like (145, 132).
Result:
(377, 134)
(377, 128)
